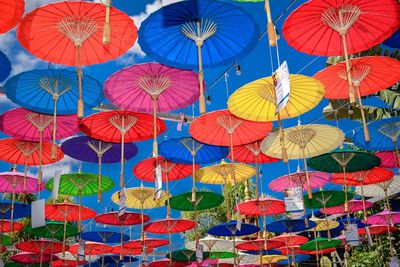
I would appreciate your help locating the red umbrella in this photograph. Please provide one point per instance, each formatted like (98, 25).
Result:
(266, 206)
(11, 14)
(77, 33)
(368, 74)
(7, 226)
(169, 226)
(91, 248)
(320, 251)
(32, 258)
(146, 242)
(127, 219)
(126, 251)
(119, 127)
(388, 159)
(378, 229)
(373, 176)
(40, 246)
(67, 263)
(259, 244)
(251, 153)
(353, 206)
(291, 239)
(335, 28)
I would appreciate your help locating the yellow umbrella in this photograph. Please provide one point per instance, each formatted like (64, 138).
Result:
(303, 141)
(271, 259)
(225, 173)
(323, 225)
(256, 101)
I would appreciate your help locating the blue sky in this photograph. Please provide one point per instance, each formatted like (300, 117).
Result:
(254, 66)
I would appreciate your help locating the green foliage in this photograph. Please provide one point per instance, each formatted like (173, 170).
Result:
(61, 199)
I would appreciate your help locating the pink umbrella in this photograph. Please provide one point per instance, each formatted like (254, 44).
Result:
(26, 125)
(387, 218)
(317, 180)
(354, 206)
(388, 159)
(152, 88)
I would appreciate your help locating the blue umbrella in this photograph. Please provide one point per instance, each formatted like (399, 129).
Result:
(104, 237)
(394, 40)
(384, 134)
(344, 222)
(187, 150)
(264, 252)
(296, 258)
(229, 229)
(289, 226)
(35, 89)
(117, 259)
(21, 210)
(198, 33)
(5, 66)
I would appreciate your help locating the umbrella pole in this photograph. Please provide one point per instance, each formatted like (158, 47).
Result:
(54, 133)
(107, 28)
(285, 157)
(199, 44)
(25, 174)
(79, 72)
(79, 215)
(99, 195)
(309, 191)
(270, 25)
(346, 58)
(64, 235)
(167, 188)
(121, 177)
(364, 120)
(40, 172)
(228, 211)
(346, 201)
(390, 240)
(257, 176)
(232, 155)
(155, 145)
(12, 209)
(193, 177)
(396, 149)
(316, 246)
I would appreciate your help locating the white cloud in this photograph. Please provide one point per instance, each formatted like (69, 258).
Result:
(6, 104)
(66, 165)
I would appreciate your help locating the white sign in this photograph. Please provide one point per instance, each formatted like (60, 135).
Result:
(294, 204)
(199, 252)
(37, 211)
(56, 185)
(158, 182)
(394, 262)
(122, 202)
(352, 235)
(81, 249)
(282, 86)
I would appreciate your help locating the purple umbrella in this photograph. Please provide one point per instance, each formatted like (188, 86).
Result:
(152, 88)
(87, 149)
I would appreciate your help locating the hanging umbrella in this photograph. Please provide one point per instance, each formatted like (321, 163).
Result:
(26, 125)
(74, 32)
(142, 198)
(146, 242)
(119, 127)
(212, 244)
(388, 159)
(326, 199)
(354, 206)
(293, 259)
(289, 226)
(91, 248)
(41, 247)
(303, 141)
(81, 184)
(21, 210)
(260, 245)
(5, 226)
(273, 259)
(320, 243)
(256, 101)
(104, 237)
(67, 263)
(333, 28)
(394, 40)
(290, 239)
(230, 229)
(183, 255)
(205, 200)
(167, 263)
(68, 212)
(11, 14)
(225, 173)
(317, 180)
(251, 153)
(152, 88)
(203, 33)
(127, 219)
(88, 149)
(323, 225)
(53, 230)
(26, 258)
(5, 66)
(368, 75)
(378, 229)
(189, 151)
(112, 260)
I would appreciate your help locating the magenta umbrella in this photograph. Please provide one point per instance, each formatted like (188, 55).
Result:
(386, 217)
(354, 206)
(152, 88)
(388, 159)
(26, 125)
(317, 180)
(14, 182)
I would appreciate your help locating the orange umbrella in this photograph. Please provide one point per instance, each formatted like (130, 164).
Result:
(11, 14)
(77, 33)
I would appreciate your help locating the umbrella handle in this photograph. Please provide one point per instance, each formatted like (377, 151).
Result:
(285, 157)
(107, 28)
(346, 58)
(155, 145)
(270, 26)
(99, 194)
(79, 73)
(309, 191)
(202, 99)
(54, 133)
(364, 120)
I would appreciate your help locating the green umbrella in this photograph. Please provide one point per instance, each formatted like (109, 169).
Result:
(6, 240)
(185, 255)
(320, 243)
(220, 255)
(342, 160)
(53, 230)
(81, 184)
(204, 200)
(326, 199)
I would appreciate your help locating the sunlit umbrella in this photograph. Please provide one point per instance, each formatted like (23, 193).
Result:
(73, 31)
(332, 28)
(142, 198)
(320, 243)
(5, 226)
(152, 88)
(293, 259)
(5, 66)
(388, 159)
(272, 259)
(225, 173)
(204, 33)
(378, 229)
(53, 230)
(368, 75)
(323, 225)
(41, 247)
(205, 200)
(145, 243)
(119, 127)
(251, 153)
(92, 248)
(259, 245)
(67, 263)
(11, 14)
(353, 206)
(289, 226)
(256, 101)
(81, 184)
(303, 141)
(92, 150)
(317, 180)
(212, 244)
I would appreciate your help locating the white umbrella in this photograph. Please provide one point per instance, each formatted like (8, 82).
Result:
(213, 244)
